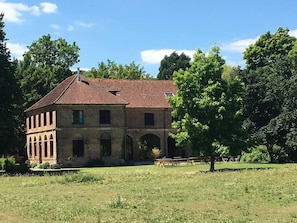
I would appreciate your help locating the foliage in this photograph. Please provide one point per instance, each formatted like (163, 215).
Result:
(257, 154)
(170, 64)
(10, 97)
(117, 71)
(269, 99)
(46, 63)
(207, 109)
(45, 165)
(143, 149)
(55, 166)
(156, 152)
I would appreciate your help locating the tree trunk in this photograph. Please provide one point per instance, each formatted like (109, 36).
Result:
(270, 152)
(212, 163)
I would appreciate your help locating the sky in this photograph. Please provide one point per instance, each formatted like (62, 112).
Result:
(144, 31)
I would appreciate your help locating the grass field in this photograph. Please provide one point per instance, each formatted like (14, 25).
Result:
(154, 194)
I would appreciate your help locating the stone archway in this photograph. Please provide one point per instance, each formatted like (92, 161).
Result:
(147, 143)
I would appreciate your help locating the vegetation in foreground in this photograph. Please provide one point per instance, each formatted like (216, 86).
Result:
(154, 194)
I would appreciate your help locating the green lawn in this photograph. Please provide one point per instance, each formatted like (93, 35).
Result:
(154, 194)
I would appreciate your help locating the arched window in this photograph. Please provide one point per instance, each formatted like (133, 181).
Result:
(30, 147)
(105, 144)
(45, 146)
(51, 146)
(78, 145)
(35, 147)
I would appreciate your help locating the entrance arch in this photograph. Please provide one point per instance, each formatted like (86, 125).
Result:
(147, 143)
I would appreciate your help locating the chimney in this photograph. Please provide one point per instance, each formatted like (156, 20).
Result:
(78, 74)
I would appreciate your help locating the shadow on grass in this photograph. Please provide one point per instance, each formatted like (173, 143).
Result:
(235, 169)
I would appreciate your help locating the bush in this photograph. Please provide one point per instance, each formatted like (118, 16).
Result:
(44, 165)
(155, 153)
(10, 165)
(256, 154)
(55, 166)
(2, 162)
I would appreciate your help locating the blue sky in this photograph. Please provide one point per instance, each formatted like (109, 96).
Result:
(144, 31)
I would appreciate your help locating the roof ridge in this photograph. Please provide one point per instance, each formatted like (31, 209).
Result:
(63, 92)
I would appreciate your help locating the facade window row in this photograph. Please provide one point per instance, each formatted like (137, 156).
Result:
(40, 120)
(105, 117)
(44, 146)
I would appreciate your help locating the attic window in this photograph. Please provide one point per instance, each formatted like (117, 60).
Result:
(169, 94)
(114, 92)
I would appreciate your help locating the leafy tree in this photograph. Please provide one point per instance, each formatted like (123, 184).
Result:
(10, 97)
(206, 108)
(46, 63)
(269, 100)
(117, 71)
(172, 63)
(269, 49)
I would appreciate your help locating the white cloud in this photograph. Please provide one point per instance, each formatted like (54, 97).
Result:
(238, 45)
(293, 33)
(48, 7)
(83, 24)
(13, 12)
(155, 56)
(16, 50)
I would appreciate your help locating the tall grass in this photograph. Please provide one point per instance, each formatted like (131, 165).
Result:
(154, 194)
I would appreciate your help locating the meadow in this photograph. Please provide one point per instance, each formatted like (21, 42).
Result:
(249, 193)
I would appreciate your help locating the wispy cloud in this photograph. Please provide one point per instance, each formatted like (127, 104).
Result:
(13, 12)
(238, 45)
(83, 24)
(293, 33)
(70, 28)
(55, 26)
(16, 50)
(155, 56)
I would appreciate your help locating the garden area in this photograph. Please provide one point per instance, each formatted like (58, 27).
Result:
(235, 192)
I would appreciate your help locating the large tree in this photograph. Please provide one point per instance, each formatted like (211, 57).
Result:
(113, 70)
(269, 103)
(10, 97)
(46, 63)
(206, 108)
(170, 64)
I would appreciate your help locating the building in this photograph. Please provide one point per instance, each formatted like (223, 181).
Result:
(101, 119)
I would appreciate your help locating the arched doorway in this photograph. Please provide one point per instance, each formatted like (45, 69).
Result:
(146, 144)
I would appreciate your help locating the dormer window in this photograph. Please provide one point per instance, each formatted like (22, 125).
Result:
(114, 92)
(169, 94)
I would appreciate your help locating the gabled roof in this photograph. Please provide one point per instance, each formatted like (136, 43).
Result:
(132, 93)
(72, 91)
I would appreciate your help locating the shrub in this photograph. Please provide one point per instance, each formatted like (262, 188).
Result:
(10, 165)
(155, 153)
(55, 166)
(33, 165)
(256, 154)
(2, 162)
(44, 165)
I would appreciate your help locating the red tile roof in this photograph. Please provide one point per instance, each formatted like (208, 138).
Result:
(132, 93)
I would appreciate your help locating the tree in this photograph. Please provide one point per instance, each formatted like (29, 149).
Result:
(269, 49)
(114, 71)
(10, 97)
(206, 108)
(269, 100)
(46, 63)
(172, 63)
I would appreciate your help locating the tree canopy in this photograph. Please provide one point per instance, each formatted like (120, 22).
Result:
(46, 63)
(10, 96)
(113, 70)
(269, 101)
(170, 64)
(206, 108)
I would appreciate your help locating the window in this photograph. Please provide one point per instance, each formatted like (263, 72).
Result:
(169, 94)
(104, 116)
(78, 147)
(30, 119)
(39, 120)
(34, 121)
(78, 117)
(105, 144)
(35, 147)
(44, 119)
(51, 146)
(149, 119)
(30, 147)
(51, 117)
(45, 146)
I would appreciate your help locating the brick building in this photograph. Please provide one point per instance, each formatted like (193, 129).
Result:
(86, 119)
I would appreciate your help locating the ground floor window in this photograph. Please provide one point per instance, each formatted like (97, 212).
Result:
(78, 147)
(105, 144)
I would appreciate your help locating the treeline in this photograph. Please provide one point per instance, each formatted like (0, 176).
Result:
(219, 109)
